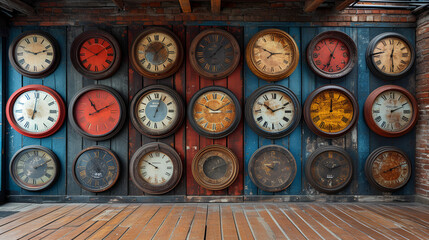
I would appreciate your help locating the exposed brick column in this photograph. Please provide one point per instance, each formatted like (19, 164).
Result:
(422, 94)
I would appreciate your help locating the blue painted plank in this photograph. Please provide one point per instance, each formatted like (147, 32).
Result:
(2, 123)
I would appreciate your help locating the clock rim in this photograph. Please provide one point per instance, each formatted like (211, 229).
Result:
(180, 109)
(175, 159)
(232, 159)
(251, 63)
(61, 108)
(167, 73)
(249, 111)
(343, 37)
(235, 60)
(370, 61)
(76, 46)
(111, 133)
(251, 166)
(55, 60)
(309, 122)
(115, 157)
(38, 147)
(367, 110)
(314, 156)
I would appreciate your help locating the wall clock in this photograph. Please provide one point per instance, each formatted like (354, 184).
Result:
(391, 111)
(156, 53)
(34, 54)
(215, 167)
(331, 54)
(388, 168)
(272, 168)
(214, 53)
(331, 111)
(329, 169)
(273, 111)
(214, 112)
(390, 56)
(272, 54)
(95, 54)
(96, 169)
(97, 112)
(34, 168)
(35, 111)
(156, 168)
(157, 111)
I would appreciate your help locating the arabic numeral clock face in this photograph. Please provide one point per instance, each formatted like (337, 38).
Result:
(156, 168)
(273, 111)
(34, 54)
(331, 111)
(391, 111)
(329, 169)
(388, 169)
(157, 111)
(34, 168)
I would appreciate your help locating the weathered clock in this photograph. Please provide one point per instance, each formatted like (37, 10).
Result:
(214, 53)
(157, 111)
(156, 168)
(35, 111)
(34, 168)
(390, 56)
(329, 169)
(156, 53)
(272, 54)
(388, 168)
(97, 112)
(215, 167)
(34, 54)
(272, 168)
(391, 111)
(214, 112)
(95, 54)
(331, 54)
(331, 111)
(273, 111)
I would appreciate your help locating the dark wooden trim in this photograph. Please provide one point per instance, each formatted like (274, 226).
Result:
(185, 5)
(119, 3)
(344, 4)
(312, 5)
(215, 6)
(20, 6)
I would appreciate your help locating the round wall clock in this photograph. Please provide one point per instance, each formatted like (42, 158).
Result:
(156, 53)
(273, 111)
(329, 169)
(214, 53)
(331, 54)
(272, 54)
(388, 168)
(214, 112)
(331, 111)
(215, 167)
(157, 111)
(95, 54)
(390, 56)
(156, 168)
(34, 54)
(35, 111)
(272, 168)
(97, 112)
(34, 168)
(96, 169)
(391, 111)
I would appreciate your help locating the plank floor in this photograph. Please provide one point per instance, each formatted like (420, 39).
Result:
(216, 221)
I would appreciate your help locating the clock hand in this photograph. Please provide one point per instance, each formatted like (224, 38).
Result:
(206, 106)
(391, 57)
(30, 52)
(336, 166)
(89, 50)
(271, 54)
(42, 164)
(330, 110)
(92, 104)
(270, 166)
(100, 109)
(217, 50)
(391, 111)
(278, 109)
(390, 169)
(41, 52)
(330, 56)
(324, 42)
(375, 53)
(151, 164)
(35, 104)
(218, 166)
(222, 106)
(157, 107)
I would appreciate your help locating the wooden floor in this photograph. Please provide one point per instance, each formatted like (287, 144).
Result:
(216, 221)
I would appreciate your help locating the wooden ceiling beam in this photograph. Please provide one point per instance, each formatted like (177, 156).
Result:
(119, 3)
(344, 4)
(215, 6)
(311, 5)
(185, 5)
(19, 6)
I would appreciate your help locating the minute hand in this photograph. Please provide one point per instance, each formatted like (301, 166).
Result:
(222, 107)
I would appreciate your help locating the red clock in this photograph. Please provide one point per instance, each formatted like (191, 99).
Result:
(97, 112)
(96, 54)
(331, 54)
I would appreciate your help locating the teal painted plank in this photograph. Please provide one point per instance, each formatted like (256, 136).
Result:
(297, 24)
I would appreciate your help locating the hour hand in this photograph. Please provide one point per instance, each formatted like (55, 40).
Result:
(30, 52)
(92, 104)
(206, 106)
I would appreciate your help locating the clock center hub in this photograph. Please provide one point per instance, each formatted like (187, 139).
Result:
(156, 110)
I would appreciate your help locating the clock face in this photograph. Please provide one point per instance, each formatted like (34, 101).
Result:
(96, 54)
(34, 168)
(96, 169)
(329, 169)
(156, 168)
